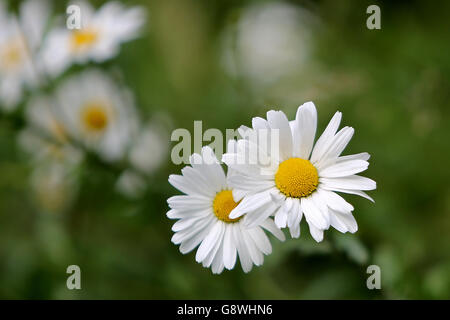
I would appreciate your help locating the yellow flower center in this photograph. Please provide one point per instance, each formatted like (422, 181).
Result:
(95, 117)
(223, 204)
(296, 178)
(83, 38)
(58, 131)
(11, 56)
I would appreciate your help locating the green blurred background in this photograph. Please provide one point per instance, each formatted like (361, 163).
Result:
(392, 86)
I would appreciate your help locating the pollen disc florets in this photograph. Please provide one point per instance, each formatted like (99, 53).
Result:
(296, 178)
(223, 204)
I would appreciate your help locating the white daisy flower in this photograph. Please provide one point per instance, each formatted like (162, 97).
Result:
(102, 31)
(269, 41)
(54, 178)
(299, 178)
(54, 186)
(46, 137)
(150, 148)
(97, 113)
(131, 184)
(203, 218)
(19, 40)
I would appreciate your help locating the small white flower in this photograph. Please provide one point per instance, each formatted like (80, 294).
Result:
(150, 148)
(102, 31)
(269, 41)
(131, 184)
(203, 218)
(46, 137)
(19, 40)
(298, 178)
(97, 113)
(54, 186)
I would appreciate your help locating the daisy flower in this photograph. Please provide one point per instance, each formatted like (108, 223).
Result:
(297, 177)
(269, 41)
(55, 161)
(46, 137)
(19, 41)
(152, 136)
(203, 218)
(99, 38)
(97, 114)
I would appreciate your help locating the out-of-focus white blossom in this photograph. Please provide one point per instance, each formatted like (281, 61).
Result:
(19, 40)
(131, 184)
(97, 113)
(102, 31)
(269, 41)
(150, 148)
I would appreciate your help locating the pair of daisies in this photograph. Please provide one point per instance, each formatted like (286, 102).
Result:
(33, 48)
(226, 215)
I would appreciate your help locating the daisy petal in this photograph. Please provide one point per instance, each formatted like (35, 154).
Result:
(313, 214)
(270, 226)
(326, 138)
(229, 249)
(306, 119)
(278, 121)
(359, 156)
(317, 234)
(353, 182)
(344, 168)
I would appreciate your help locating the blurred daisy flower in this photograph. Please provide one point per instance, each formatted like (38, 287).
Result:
(46, 137)
(203, 214)
(99, 38)
(298, 178)
(97, 113)
(19, 41)
(150, 148)
(131, 184)
(54, 186)
(268, 41)
(55, 161)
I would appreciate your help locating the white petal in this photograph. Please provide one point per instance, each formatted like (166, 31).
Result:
(189, 244)
(326, 138)
(353, 182)
(188, 202)
(335, 201)
(255, 254)
(259, 123)
(317, 234)
(185, 186)
(340, 141)
(218, 263)
(255, 218)
(359, 156)
(250, 203)
(278, 121)
(306, 119)
(281, 217)
(209, 242)
(294, 212)
(198, 227)
(343, 222)
(349, 191)
(313, 214)
(229, 248)
(295, 231)
(244, 255)
(345, 168)
(261, 240)
(270, 226)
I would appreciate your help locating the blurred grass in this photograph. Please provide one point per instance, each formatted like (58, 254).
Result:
(392, 85)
